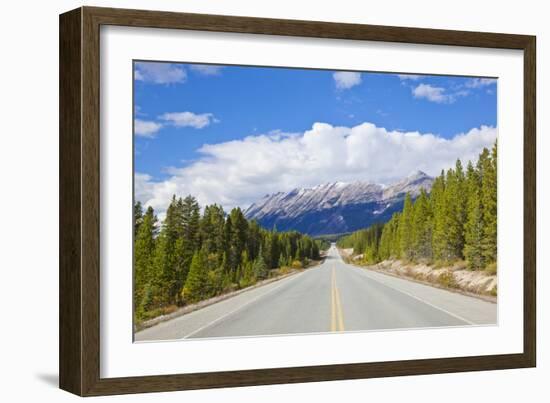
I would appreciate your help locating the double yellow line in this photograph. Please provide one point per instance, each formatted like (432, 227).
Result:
(337, 317)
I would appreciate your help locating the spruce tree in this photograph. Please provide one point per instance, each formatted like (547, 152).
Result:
(254, 239)
(473, 251)
(440, 213)
(165, 259)
(396, 240)
(238, 235)
(405, 229)
(260, 268)
(267, 251)
(489, 203)
(455, 210)
(196, 284)
(247, 273)
(384, 250)
(188, 214)
(144, 248)
(138, 217)
(422, 227)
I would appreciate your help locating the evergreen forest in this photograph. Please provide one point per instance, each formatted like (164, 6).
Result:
(456, 221)
(194, 255)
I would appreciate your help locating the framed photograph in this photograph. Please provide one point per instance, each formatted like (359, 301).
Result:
(248, 201)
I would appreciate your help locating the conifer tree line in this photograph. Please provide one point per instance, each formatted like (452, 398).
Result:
(192, 256)
(457, 220)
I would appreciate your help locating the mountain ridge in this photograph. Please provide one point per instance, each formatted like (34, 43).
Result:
(335, 207)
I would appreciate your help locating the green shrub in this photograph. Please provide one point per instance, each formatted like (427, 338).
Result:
(447, 280)
(491, 269)
(296, 264)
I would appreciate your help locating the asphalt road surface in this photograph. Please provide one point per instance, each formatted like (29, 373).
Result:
(332, 297)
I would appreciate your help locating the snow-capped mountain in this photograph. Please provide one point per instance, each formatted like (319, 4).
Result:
(338, 207)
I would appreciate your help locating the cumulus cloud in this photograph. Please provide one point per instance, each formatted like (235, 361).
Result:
(480, 82)
(159, 73)
(346, 79)
(188, 119)
(437, 94)
(412, 77)
(146, 128)
(431, 93)
(239, 172)
(206, 69)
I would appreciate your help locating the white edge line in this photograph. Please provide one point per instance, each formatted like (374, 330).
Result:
(240, 307)
(415, 297)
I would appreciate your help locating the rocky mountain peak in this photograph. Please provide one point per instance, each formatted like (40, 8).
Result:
(335, 207)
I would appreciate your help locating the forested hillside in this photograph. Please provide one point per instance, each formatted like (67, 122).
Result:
(456, 221)
(193, 256)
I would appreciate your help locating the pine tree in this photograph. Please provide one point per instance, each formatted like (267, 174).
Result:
(422, 228)
(144, 248)
(196, 284)
(440, 245)
(405, 229)
(456, 209)
(267, 251)
(247, 272)
(282, 261)
(275, 249)
(165, 260)
(396, 241)
(188, 214)
(211, 229)
(473, 251)
(315, 252)
(237, 240)
(254, 240)
(489, 203)
(138, 217)
(457, 220)
(299, 253)
(260, 268)
(384, 251)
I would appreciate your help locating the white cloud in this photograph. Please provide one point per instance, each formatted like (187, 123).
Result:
(189, 119)
(143, 186)
(437, 94)
(434, 94)
(239, 172)
(206, 69)
(346, 79)
(412, 77)
(146, 128)
(480, 82)
(159, 73)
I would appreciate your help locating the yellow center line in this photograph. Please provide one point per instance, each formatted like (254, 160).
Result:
(337, 316)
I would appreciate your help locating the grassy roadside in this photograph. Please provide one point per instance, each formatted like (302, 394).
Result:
(455, 278)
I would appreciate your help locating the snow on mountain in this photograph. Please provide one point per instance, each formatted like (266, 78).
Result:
(337, 207)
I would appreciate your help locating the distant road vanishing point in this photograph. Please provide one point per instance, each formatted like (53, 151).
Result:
(333, 297)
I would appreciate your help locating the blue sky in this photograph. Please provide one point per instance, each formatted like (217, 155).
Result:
(192, 117)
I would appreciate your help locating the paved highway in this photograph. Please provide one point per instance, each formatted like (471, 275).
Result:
(334, 297)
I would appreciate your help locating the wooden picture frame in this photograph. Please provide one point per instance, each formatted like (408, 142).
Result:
(79, 347)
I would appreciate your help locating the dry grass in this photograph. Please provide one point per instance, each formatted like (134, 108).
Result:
(491, 269)
(460, 265)
(297, 265)
(447, 279)
(440, 264)
(166, 310)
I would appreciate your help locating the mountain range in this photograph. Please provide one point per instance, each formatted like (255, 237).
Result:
(334, 208)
